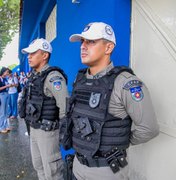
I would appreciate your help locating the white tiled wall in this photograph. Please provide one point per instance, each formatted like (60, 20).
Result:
(51, 25)
(153, 58)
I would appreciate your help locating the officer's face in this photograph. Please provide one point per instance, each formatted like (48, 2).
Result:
(37, 59)
(94, 52)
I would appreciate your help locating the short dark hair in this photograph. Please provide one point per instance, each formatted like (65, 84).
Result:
(3, 70)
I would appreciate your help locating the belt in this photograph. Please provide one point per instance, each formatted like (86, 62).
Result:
(92, 162)
(115, 159)
(103, 160)
(46, 126)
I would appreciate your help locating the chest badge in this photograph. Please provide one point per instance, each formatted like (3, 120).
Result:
(94, 99)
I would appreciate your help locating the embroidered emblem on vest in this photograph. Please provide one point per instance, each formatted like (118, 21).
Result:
(94, 99)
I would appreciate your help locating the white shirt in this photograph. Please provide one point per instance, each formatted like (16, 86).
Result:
(12, 80)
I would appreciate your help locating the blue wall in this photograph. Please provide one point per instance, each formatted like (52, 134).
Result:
(71, 18)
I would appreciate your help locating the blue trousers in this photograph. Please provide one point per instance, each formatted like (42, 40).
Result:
(4, 111)
(13, 104)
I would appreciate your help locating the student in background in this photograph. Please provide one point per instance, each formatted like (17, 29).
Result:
(13, 95)
(4, 124)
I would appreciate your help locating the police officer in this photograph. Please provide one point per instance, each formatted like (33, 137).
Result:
(105, 102)
(43, 105)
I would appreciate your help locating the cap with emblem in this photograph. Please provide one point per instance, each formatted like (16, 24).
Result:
(96, 30)
(37, 44)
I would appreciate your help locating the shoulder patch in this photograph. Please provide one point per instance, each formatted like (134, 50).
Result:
(56, 78)
(132, 83)
(136, 93)
(57, 85)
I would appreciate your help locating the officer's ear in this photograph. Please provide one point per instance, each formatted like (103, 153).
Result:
(45, 55)
(109, 48)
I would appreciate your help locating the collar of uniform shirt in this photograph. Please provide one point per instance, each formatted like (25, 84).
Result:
(101, 73)
(46, 66)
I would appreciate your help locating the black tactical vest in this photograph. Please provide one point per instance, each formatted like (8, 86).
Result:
(38, 105)
(95, 131)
